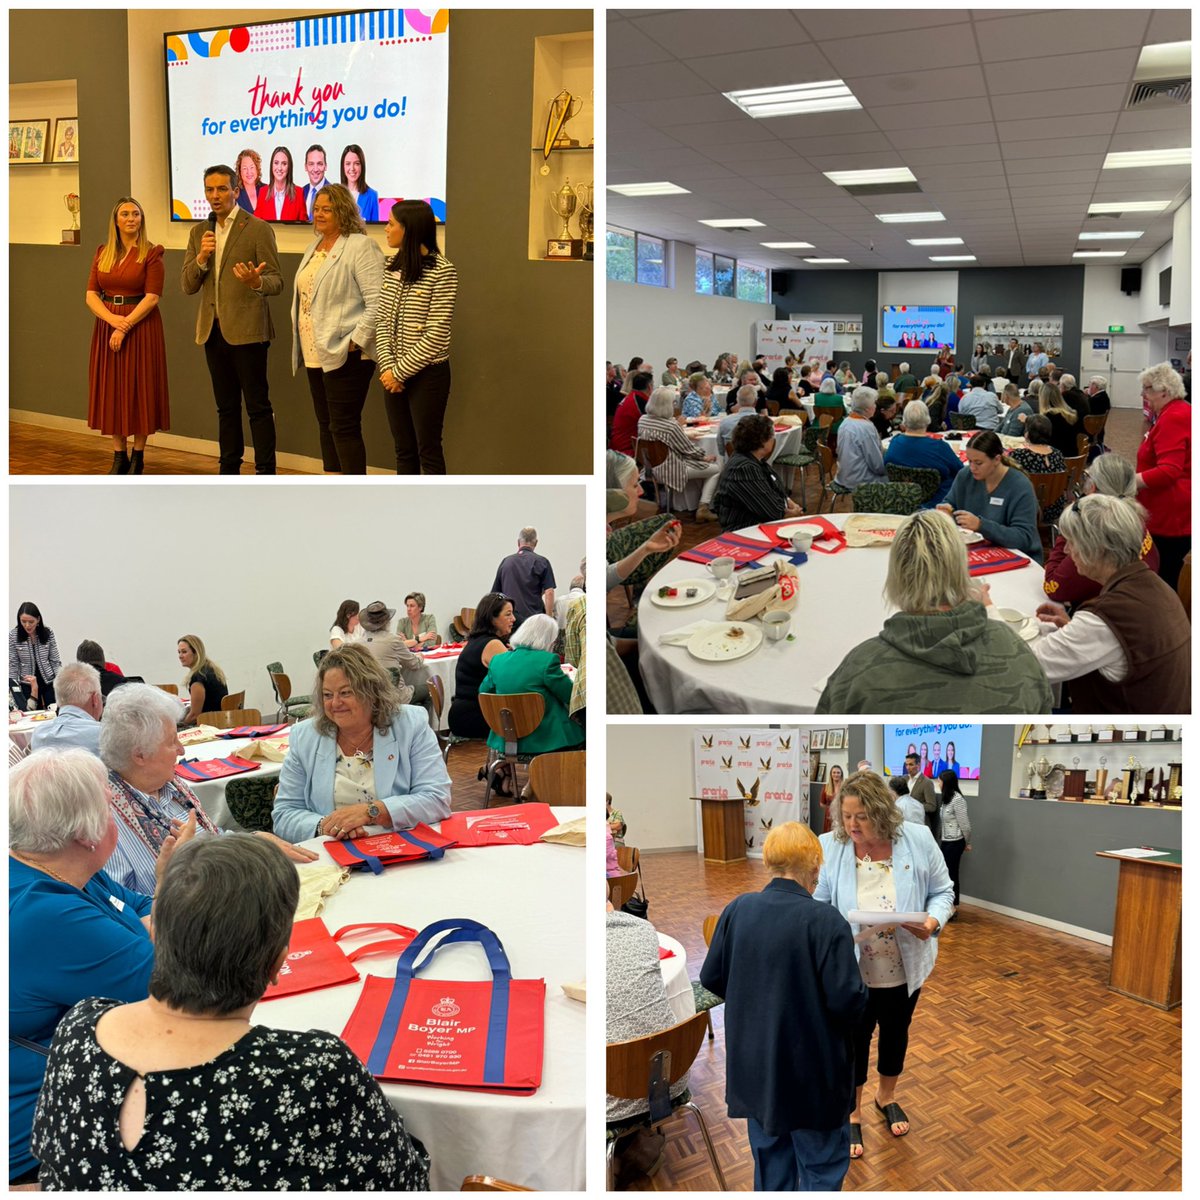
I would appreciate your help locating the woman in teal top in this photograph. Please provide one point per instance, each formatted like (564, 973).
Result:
(418, 628)
(994, 498)
(531, 666)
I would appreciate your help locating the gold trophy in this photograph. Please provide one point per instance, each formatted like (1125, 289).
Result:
(563, 107)
(585, 193)
(70, 237)
(564, 203)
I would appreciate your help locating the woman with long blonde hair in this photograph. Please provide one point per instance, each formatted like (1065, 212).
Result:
(829, 792)
(1064, 420)
(127, 368)
(203, 680)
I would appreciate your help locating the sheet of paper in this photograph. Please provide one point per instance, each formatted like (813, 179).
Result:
(858, 916)
(1140, 852)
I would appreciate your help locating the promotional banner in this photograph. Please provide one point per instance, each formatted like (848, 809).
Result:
(809, 341)
(366, 89)
(768, 768)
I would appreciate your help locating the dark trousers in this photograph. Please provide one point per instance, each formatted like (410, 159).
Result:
(952, 852)
(1170, 556)
(240, 372)
(933, 822)
(890, 1008)
(804, 1160)
(416, 416)
(338, 398)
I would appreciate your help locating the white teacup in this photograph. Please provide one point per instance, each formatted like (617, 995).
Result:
(802, 540)
(776, 624)
(722, 568)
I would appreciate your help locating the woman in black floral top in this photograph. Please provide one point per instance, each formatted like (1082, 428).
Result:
(180, 1093)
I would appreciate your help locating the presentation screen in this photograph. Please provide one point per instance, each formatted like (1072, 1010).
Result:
(917, 326)
(941, 747)
(377, 81)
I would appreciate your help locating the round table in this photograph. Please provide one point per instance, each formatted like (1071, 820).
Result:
(532, 897)
(840, 605)
(211, 793)
(789, 439)
(680, 996)
(443, 664)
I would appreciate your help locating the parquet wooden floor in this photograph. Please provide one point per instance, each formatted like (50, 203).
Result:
(1024, 1071)
(466, 790)
(1123, 435)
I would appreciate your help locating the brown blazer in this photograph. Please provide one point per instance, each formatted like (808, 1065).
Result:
(245, 314)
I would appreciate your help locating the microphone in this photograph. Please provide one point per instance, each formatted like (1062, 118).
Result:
(212, 221)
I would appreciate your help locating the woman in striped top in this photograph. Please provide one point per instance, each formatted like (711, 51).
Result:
(956, 829)
(33, 658)
(416, 311)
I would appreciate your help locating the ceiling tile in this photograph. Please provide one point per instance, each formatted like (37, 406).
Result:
(1063, 103)
(920, 87)
(694, 33)
(1048, 34)
(866, 54)
(665, 82)
(897, 115)
(628, 48)
(826, 24)
(947, 135)
(1078, 125)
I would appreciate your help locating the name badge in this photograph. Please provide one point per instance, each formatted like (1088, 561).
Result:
(119, 905)
(996, 501)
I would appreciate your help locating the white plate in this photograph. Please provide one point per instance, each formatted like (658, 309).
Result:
(970, 536)
(1031, 630)
(786, 531)
(715, 645)
(706, 589)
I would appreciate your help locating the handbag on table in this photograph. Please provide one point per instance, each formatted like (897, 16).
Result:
(386, 849)
(476, 1035)
(315, 960)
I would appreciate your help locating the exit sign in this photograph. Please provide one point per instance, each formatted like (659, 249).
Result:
(1116, 329)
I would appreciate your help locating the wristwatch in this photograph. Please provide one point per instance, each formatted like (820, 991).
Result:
(373, 810)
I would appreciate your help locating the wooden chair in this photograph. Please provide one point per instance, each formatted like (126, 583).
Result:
(648, 455)
(633, 1065)
(829, 485)
(437, 703)
(485, 1183)
(234, 700)
(705, 1000)
(510, 718)
(828, 417)
(959, 420)
(1083, 444)
(1075, 469)
(1095, 426)
(558, 778)
(170, 688)
(926, 478)
(630, 859)
(291, 708)
(1049, 487)
(621, 887)
(773, 407)
(1184, 586)
(230, 718)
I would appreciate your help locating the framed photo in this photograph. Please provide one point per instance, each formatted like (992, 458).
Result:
(837, 739)
(34, 136)
(817, 741)
(66, 140)
(16, 135)
(819, 777)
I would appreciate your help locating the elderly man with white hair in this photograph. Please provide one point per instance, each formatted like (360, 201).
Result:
(77, 688)
(860, 452)
(685, 460)
(905, 381)
(982, 405)
(747, 402)
(1074, 397)
(140, 746)
(1098, 401)
(1128, 649)
(913, 447)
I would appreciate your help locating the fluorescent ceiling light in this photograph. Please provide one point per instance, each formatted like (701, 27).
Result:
(734, 223)
(1180, 156)
(885, 175)
(1164, 60)
(899, 218)
(829, 95)
(952, 258)
(648, 189)
(787, 245)
(935, 241)
(1129, 206)
(1110, 237)
(827, 260)
(1098, 254)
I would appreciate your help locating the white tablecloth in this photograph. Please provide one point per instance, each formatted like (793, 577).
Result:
(211, 793)
(790, 441)
(680, 996)
(444, 669)
(533, 898)
(840, 605)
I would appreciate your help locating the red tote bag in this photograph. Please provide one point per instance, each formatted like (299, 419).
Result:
(315, 960)
(513, 825)
(384, 849)
(480, 1036)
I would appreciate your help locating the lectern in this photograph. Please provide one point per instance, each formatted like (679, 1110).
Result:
(724, 828)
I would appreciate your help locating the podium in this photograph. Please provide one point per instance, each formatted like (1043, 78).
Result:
(723, 825)
(1147, 944)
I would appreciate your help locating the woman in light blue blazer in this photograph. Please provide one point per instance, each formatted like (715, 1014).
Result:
(364, 760)
(875, 861)
(333, 325)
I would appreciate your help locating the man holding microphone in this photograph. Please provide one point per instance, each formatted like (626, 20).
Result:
(233, 263)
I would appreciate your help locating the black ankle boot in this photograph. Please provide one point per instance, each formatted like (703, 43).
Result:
(120, 463)
(137, 462)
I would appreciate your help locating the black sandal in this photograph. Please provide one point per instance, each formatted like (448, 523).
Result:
(855, 1140)
(894, 1115)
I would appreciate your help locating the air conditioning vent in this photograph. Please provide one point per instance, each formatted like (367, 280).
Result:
(1160, 93)
(881, 189)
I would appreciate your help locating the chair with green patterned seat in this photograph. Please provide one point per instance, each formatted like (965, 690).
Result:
(705, 1000)
(961, 420)
(829, 484)
(926, 478)
(898, 499)
(251, 801)
(291, 708)
(803, 459)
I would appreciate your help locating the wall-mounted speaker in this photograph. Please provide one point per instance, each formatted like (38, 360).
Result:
(1131, 280)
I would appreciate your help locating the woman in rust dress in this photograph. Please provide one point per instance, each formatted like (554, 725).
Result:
(127, 373)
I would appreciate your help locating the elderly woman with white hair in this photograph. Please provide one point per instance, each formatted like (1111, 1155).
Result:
(139, 746)
(1129, 648)
(685, 460)
(1111, 475)
(913, 447)
(859, 450)
(73, 930)
(939, 649)
(635, 552)
(1164, 463)
(532, 666)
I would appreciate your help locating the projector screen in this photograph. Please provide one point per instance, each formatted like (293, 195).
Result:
(376, 80)
(917, 326)
(942, 747)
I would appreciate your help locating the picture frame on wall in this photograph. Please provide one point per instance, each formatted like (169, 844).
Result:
(837, 739)
(66, 140)
(817, 741)
(16, 136)
(34, 137)
(819, 777)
